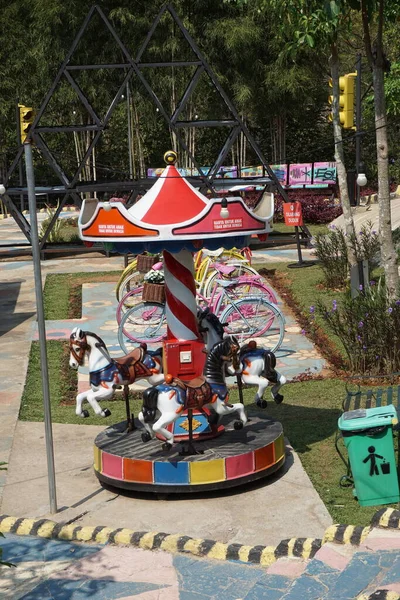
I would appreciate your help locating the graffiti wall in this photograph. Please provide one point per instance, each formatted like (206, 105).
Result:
(294, 175)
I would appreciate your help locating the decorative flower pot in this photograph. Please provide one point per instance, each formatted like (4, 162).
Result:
(153, 292)
(145, 262)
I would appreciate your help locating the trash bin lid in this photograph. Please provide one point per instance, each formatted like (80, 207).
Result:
(365, 418)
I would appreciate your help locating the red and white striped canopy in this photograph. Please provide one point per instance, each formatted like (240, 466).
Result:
(171, 200)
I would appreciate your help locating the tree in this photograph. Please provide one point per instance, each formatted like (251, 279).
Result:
(373, 14)
(309, 24)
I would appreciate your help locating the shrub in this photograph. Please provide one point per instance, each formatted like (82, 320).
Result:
(316, 207)
(369, 329)
(331, 251)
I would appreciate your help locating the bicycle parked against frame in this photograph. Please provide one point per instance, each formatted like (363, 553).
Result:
(243, 316)
(205, 274)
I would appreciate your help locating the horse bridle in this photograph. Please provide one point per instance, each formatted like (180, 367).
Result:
(233, 354)
(83, 347)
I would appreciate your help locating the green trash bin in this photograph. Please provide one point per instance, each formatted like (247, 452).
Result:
(368, 437)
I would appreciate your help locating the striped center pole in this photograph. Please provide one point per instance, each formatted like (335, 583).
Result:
(180, 292)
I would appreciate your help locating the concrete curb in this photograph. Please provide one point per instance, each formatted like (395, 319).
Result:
(305, 548)
(380, 595)
(387, 518)
(346, 534)
(260, 555)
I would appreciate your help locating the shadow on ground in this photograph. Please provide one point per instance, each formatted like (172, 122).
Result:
(9, 319)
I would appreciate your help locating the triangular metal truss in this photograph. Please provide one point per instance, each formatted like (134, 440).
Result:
(72, 187)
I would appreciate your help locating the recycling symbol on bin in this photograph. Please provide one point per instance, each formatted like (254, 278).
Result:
(373, 470)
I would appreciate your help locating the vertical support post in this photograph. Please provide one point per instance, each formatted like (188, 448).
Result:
(128, 103)
(358, 125)
(21, 179)
(300, 263)
(30, 178)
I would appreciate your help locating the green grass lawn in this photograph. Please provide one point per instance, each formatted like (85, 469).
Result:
(308, 414)
(63, 293)
(313, 228)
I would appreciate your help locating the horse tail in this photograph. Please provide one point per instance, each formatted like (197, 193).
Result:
(269, 370)
(150, 398)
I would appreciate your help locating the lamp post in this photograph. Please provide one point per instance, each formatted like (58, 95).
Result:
(359, 166)
(361, 178)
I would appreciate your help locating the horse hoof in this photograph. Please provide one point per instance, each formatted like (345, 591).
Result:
(213, 418)
(106, 412)
(262, 403)
(166, 446)
(146, 437)
(85, 413)
(238, 425)
(278, 398)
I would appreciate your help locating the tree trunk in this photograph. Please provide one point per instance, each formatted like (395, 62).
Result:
(339, 157)
(388, 253)
(376, 60)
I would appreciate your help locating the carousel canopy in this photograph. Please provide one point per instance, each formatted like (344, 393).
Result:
(174, 215)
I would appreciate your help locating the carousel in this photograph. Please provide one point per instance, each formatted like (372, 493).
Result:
(188, 436)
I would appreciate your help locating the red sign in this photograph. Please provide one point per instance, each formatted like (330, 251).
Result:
(292, 213)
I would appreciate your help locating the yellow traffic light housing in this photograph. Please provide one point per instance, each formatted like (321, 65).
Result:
(26, 118)
(346, 100)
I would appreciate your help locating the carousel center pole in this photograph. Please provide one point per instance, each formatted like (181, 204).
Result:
(184, 348)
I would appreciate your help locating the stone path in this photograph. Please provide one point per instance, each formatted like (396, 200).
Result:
(46, 569)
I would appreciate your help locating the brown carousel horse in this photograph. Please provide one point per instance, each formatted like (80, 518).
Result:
(164, 403)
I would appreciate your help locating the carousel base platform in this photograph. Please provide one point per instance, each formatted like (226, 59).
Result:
(123, 461)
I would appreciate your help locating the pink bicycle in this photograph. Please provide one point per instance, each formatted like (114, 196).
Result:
(245, 285)
(243, 305)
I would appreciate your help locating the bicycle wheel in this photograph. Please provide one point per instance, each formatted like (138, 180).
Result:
(132, 267)
(145, 322)
(255, 317)
(130, 282)
(250, 287)
(130, 300)
(241, 269)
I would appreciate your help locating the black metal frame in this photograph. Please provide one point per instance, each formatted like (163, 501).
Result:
(72, 187)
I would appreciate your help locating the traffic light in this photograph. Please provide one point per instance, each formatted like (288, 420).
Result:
(346, 100)
(26, 118)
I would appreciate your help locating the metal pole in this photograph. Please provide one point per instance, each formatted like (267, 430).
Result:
(358, 124)
(30, 178)
(21, 180)
(128, 101)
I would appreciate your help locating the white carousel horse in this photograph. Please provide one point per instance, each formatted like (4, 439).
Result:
(107, 374)
(258, 364)
(164, 403)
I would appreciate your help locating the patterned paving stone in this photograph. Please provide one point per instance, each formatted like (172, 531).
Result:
(17, 549)
(360, 572)
(65, 589)
(391, 560)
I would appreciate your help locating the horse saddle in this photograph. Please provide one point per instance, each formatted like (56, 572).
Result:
(131, 365)
(197, 391)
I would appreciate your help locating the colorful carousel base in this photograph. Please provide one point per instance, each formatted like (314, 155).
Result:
(122, 460)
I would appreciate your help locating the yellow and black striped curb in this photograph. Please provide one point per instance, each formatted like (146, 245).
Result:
(380, 595)
(346, 534)
(388, 518)
(261, 555)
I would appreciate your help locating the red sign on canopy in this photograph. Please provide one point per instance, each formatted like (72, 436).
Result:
(292, 213)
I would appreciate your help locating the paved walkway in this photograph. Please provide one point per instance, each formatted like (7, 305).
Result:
(364, 214)
(17, 322)
(47, 569)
